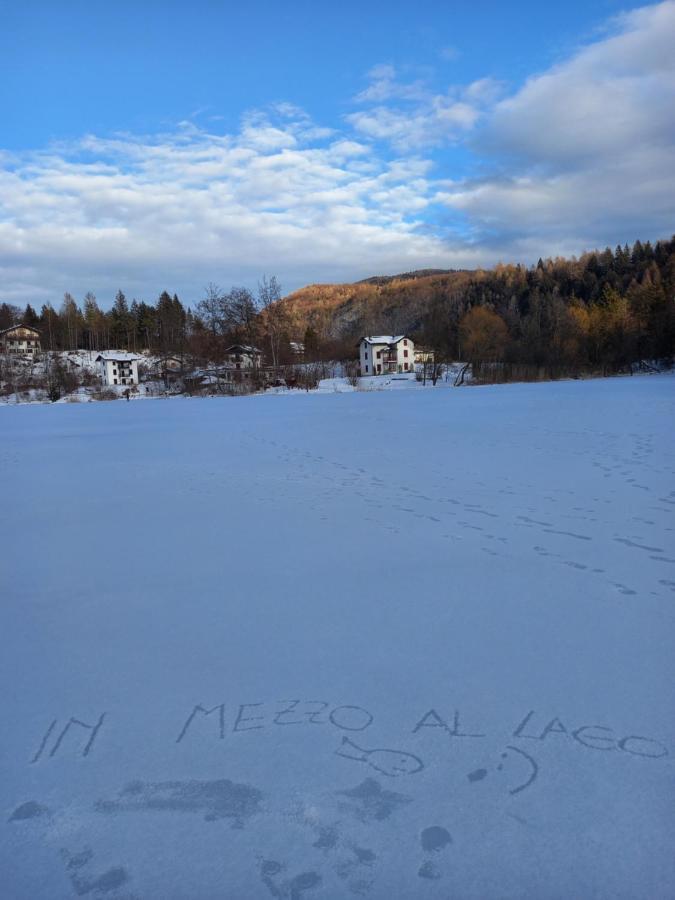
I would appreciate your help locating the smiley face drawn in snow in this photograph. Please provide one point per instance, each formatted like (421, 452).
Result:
(525, 776)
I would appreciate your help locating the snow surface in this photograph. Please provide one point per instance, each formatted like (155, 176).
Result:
(432, 630)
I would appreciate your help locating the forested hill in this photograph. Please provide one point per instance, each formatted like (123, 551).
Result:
(405, 276)
(605, 309)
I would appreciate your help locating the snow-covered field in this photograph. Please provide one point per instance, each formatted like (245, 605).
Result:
(386, 644)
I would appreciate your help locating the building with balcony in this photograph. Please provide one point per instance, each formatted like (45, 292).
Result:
(386, 354)
(20, 340)
(118, 368)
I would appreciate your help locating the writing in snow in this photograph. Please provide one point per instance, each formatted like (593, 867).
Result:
(80, 736)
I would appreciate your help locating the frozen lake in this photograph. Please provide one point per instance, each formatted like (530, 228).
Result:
(390, 645)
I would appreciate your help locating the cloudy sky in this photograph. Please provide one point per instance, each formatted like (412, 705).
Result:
(157, 145)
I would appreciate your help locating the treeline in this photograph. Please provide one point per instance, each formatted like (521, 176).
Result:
(162, 328)
(222, 318)
(605, 312)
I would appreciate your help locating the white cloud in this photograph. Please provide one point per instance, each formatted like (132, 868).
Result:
(182, 209)
(613, 95)
(483, 91)
(586, 150)
(439, 121)
(421, 118)
(385, 85)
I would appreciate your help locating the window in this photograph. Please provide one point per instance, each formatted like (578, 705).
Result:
(405, 352)
(379, 354)
(366, 367)
(405, 365)
(114, 381)
(405, 344)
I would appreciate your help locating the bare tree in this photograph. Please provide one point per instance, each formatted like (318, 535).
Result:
(212, 308)
(242, 311)
(352, 372)
(274, 314)
(432, 366)
(71, 317)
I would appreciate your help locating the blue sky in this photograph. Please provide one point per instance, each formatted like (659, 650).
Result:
(166, 144)
(71, 67)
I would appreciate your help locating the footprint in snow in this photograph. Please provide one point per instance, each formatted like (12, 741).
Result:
(291, 888)
(433, 840)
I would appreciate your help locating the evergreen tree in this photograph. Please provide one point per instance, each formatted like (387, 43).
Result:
(121, 321)
(30, 317)
(311, 343)
(8, 316)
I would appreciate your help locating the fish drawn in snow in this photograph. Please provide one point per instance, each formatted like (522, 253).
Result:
(388, 762)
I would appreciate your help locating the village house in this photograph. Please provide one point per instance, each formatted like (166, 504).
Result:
(386, 353)
(424, 355)
(219, 378)
(169, 368)
(118, 367)
(171, 363)
(20, 339)
(243, 357)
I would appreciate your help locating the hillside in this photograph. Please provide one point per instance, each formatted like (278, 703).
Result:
(606, 311)
(405, 276)
(380, 303)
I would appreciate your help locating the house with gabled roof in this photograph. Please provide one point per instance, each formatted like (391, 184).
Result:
(386, 353)
(20, 339)
(242, 356)
(118, 367)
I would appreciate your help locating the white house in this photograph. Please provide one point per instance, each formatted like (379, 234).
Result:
(243, 357)
(20, 339)
(118, 368)
(385, 353)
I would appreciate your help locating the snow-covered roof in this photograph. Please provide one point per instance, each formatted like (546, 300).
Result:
(383, 339)
(117, 356)
(244, 348)
(20, 325)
